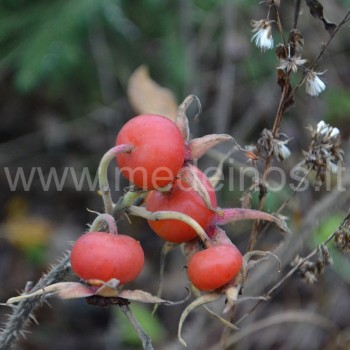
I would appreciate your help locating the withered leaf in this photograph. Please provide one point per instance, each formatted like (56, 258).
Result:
(316, 10)
(147, 96)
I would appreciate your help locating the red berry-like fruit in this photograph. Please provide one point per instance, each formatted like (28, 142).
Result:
(103, 256)
(158, 153)
(212, 268)
(184, 199)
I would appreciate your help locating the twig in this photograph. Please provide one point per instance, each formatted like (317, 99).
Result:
(146, 340)
(324, 48)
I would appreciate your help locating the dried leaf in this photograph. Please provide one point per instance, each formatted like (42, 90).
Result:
(108, 289)
(147, 96)
(316, 10)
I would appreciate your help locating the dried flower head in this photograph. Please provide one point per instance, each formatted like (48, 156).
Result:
(291, 63)
(296, 41)
(325, 152)
(342, 236)
(268, 144)
(311, 270)
(313, 84)
(263, 34)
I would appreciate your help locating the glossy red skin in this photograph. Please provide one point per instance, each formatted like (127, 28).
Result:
(184, 201)
(212, 268)
(103, 256)
(158, 144)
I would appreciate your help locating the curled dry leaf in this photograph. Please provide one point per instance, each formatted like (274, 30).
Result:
(147, 96)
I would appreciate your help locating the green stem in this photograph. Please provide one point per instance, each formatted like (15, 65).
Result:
(102, 174)
(127, 200)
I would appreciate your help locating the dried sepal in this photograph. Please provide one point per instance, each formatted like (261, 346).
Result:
(73, 290)
(249, 263)
(228, 215)
(145, 297)
(202, 300)
(200, 146)
(181, 119)
(166, 249)
(65, 290)
(191, 178)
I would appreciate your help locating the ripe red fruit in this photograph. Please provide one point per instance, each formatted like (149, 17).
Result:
(184, 199)
(214, 267)
(103, 256)
(158, 154)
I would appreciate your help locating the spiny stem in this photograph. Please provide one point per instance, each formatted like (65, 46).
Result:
(20, 318)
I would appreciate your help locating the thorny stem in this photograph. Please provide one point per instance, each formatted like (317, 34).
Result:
(292, 271)
(22, 313)
(102, 174)
(103, 219)
(145, 338)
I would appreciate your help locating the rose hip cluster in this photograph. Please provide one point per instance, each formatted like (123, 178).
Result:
(155, 154)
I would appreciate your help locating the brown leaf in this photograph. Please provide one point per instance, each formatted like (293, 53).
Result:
(147, 96)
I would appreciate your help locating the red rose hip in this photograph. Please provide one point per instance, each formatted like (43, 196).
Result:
(103, 256)
(158, 153)
(212, 268)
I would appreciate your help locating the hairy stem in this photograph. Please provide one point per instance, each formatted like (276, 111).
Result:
(22, 313)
